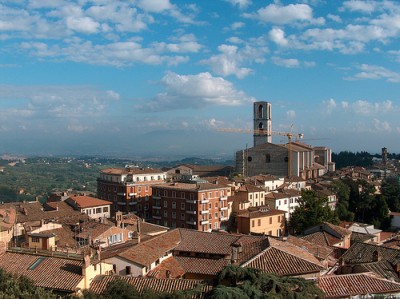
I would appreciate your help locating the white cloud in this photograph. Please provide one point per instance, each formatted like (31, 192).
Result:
(277, 35)
(329, 106)
(237, 25)
(241, 3)
(375, 72)
(288, 63)
(231, 59)
(278, 14)
(82, 24)
(155, 5)
(291, 114)
(367, 108)
(360, 6)
(195, 91)
(381, 125)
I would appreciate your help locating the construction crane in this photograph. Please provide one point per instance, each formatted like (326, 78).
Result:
(289, 136)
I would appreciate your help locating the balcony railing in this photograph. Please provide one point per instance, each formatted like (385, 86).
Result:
(224, 197)
(121, 193)
(157, 207)
(204, 212)
(122, 203)
(156, 196)
(156, 216)
(191, 212)
(191, 201)
(204, 222)
(204, 200)
(223, 208)
(224, 218)
(191, 222)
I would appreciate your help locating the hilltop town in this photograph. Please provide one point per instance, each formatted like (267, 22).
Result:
(283, 209)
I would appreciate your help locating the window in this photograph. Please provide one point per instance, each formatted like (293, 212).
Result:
(165, 204)
(165, 193)
(35, 240)
(216, 205)
(173, 215)
(173, 194)
(174, 205)
(270, 220)
(182, 216)
(259, 222)
(253, 223)
(146, 198)
(216, 215)
(182, 205)
(105, 209)
(279, 219)
(98, 210)
(267, 158)
(285, 202)
(139, 207)
(249, 159)
(216, 225)
(165, 213)
(191, 196)
(139, 189)
(182, 194)
(209, 216)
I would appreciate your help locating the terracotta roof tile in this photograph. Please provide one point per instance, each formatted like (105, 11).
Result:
(51, 272)
(149, 251)
(99, 285)
(86, 201)
(284, 259)
(202, 266)
(344, 286)
(319, 251)
(364, 253)
(168, 268)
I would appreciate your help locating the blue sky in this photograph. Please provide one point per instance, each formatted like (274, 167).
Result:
(159, 77)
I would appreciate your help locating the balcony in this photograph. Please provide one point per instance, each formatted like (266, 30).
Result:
(204, 212)
(156, 196)
(204, 201)
(157, 207)
(224, 198)
(132, 203)
(191, 212)
(191, 222)
(189, 201)
(203, 222)
(121, 193)
(223, 218)
(132, 194)
(157, 217)
(122, 203)
(223, 208)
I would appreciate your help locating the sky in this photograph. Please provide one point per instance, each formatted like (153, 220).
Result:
(145, 78)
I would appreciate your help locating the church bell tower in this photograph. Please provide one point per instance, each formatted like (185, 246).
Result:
(262, 123)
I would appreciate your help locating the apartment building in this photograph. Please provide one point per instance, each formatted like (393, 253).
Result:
(129, 189)
(201, 206)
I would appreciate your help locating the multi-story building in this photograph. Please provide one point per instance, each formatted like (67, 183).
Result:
(261, 220)
(201, 206)
(129, 188)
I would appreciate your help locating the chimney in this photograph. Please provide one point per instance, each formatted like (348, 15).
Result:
(168, 274)
(376, 257)
(138, 231)
(118, 218)
(234, 256)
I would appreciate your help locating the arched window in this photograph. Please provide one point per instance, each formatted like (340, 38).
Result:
(260, 111)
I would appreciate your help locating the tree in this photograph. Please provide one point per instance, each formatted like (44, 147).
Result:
(239, 282)
(21, 288)
(390, 188)
(342, 192)
(312, 210)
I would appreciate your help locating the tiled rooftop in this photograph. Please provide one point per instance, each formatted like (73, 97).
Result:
(344, 286)
(87, 201)
(50, 272)
(284, 259)
(99, 285)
